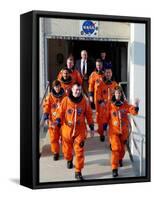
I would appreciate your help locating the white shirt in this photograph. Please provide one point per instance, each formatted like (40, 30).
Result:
(85, 72)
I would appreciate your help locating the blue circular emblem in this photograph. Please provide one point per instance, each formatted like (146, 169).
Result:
(88, 27)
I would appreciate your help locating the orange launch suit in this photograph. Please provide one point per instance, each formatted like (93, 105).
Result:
(117, 119)
(74, 129)
(74, 74)
(51, 105)
(103, 94)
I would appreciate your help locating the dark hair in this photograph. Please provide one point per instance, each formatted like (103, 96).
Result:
(70, 57)
(108, 69)
(65, 68)
(56, 83)
(122, 94)
(98, 60)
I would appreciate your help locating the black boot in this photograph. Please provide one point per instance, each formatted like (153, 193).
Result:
(56, 156)
(115, 173)
(69, 164)
(78, 176)
(120, 163)
(102, 138)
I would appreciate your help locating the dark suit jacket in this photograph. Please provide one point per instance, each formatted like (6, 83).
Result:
(90, 67)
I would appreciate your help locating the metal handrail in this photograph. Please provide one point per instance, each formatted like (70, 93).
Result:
(46, 89)
(123, 82)
(41, 114)
(140, 152)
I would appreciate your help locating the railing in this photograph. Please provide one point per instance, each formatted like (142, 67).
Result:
(141, 141)
(46, 90)
(43, 129)
(41, 103)
(123, 83)
(139, 150)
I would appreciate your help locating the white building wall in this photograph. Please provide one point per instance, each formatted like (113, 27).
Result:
(114, 30)
(137, 82)
(42, 63)
(70, 27)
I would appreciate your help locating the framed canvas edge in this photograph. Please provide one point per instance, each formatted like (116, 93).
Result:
(35, 100)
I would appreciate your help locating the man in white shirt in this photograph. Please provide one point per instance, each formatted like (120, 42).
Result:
(85, 68)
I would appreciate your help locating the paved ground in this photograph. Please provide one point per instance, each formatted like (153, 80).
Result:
(97, 163)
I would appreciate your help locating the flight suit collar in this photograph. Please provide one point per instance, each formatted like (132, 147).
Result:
(75, 99)
(99, 72)
(107, 82)
(58, 95)
(67, 81)
(117, 103)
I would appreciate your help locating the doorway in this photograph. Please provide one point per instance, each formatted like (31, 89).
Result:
(117, 53)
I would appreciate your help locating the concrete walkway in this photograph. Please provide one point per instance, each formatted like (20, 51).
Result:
(97, 163)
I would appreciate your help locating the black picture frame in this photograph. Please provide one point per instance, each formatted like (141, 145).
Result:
(29, 99)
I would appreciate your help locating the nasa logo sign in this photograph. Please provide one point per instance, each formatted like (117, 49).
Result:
(89, 28)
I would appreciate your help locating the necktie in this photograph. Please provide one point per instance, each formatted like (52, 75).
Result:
(83, 68)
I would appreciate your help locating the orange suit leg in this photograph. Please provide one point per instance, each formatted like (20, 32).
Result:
(79, 155)
(67, 148)
(116, 150)
(122, 152)
(123, 139)
(54, 139)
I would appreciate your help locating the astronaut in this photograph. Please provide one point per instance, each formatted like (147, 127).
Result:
(66, 80)
(73, 72)
(51, 105)
(73, 111)
(116, 117)
(104, 89)
(97, 74)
